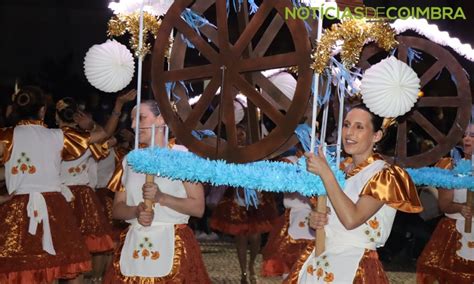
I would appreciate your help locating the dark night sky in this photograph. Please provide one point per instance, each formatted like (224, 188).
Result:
(48, 39)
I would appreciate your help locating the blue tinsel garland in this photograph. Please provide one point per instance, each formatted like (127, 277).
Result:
(457, 178)
(262, 175)
(195, 21)
(272, 176)
(238, 3)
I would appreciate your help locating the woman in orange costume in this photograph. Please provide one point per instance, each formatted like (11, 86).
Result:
(104, 173)
(40, 240)
(291, 233)
(289, 237)
(449, 255)
(158, 246)
(87, 208)
(362, 214)
(103, 169)
(247, 224)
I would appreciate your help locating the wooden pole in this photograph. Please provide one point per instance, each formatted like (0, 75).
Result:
(469, 202)
(150, 178)
(320, 239)
(321, 234)
(470, 194)
(148, 202)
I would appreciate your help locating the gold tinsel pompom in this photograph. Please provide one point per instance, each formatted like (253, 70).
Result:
(293, 70)
(122, 23)
(116, 27)
(355, 34)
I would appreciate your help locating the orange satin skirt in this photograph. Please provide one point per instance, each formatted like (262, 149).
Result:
(370, 270)
(91, 219)
(281, 251)
(230, 218)
(106, 198)
(190, 268)
(22, 258)
(439, 260)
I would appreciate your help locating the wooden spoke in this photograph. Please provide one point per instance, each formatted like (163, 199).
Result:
(428, 127)
(265, 106)
(201, 6)
(437, 101)
(211, 34)
(252, 28)
(223, 29)
(228, 109)
(190, 73)
(268, 36)
(203, 103)
(213, 120)
(268, 62)
(196, 39)
(274, 94)
(183, 103)
(431, 72)
(402, 52)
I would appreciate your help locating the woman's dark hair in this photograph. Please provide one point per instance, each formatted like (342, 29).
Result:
(376, 120)
(66, 108)
(153, 105)
(28, 102)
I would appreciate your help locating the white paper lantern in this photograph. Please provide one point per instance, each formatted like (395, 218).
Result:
(285, 82)
(239, 112)
(390, 88)
(109, 66)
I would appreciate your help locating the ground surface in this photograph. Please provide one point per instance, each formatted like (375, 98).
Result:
(221, 261)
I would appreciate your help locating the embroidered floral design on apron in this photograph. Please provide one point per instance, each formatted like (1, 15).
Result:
(373, 229)
(321, 269)
(76, 170)
(146, 250)
(23, 165)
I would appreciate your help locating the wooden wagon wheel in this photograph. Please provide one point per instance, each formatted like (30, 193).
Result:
(461, 101)
(229, 64)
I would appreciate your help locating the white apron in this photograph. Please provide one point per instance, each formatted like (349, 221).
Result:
(299, 211)
(77, 172)
(33, 170)
(345, 248)
(150, 251)
(105, 169)
(466, 249)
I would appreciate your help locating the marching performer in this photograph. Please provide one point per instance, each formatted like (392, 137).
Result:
(40, 239)
(75, 173)
(231, 216)
(291, 233)
(360, 216)
(158, 246)
(449, 255)
(289, 237)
